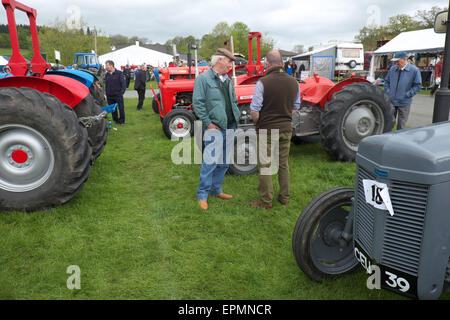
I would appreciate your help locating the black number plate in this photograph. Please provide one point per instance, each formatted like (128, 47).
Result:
(391, 279)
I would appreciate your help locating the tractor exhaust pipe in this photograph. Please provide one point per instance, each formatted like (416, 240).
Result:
(189, 57)
(233, 77)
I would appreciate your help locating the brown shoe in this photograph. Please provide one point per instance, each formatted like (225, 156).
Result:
(283, 203)
(224, 196)
(203, 204)
(258, 204)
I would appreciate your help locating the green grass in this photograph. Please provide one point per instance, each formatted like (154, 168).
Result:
(136, 232)
(28, 54)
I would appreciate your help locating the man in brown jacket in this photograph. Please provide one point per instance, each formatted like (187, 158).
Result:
(275, 99)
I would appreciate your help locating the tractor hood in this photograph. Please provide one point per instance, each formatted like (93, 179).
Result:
(84, 77)
(417, 154)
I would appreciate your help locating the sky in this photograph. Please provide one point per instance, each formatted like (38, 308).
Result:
(288, 22)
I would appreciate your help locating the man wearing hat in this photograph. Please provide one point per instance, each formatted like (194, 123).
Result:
(215, 104)
(402, 82)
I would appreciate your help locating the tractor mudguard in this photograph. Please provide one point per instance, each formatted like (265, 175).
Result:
(339, 86)
(67, 90)
(84, 77)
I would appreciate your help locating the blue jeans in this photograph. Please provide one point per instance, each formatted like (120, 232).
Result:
(217, 152)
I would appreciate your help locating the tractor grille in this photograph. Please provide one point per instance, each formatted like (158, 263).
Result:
(403, 232)
(447, 272)
(364, 217)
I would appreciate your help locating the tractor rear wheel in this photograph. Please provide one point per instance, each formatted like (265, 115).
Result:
(179, 123)
(356, 111)
(98, 94)
(98, 133)
(318, 248)
(45, 156)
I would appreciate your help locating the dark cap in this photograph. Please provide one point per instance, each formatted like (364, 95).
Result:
(399, 55)
(224, 52)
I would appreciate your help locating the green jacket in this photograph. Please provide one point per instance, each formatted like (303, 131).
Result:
(209, 101)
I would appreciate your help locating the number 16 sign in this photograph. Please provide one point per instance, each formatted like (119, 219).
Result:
(377, 195)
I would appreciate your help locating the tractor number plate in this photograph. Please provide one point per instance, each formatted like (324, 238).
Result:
(386, 277)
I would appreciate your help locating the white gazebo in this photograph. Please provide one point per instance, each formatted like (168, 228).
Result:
(412, 42)
(136, 55)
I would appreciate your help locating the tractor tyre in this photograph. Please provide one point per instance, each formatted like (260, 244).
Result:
(178, 124)
(245, 153)
(356, 111)
(45, 156)
(155, 103)
(98, 94)
(318, 249)
(98, 132)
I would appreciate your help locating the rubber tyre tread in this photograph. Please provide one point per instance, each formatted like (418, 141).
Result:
(98, 94)
(98, 133)
(172, 114)
(335, 109)
(306, 225)
(155, 103)
(59, 124)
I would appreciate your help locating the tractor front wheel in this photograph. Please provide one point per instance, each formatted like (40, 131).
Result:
(45, 156)
(155, 106)
(356, 111)
(318, 248)
(178, 124)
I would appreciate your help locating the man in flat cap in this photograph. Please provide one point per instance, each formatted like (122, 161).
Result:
(401, 84)
(215, 104)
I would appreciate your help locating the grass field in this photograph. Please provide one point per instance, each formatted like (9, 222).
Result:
(28, 54)
(136, 233)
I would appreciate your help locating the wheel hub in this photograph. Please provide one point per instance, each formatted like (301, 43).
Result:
(180, 127)
(360, 123)
(332, 232)
(19, 156)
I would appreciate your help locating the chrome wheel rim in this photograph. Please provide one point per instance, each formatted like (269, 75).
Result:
(26, 158)
(364, 118)
(180, 127)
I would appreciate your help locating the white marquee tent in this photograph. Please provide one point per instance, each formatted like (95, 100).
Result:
(136, 55)
(412, 42)
(3, 60)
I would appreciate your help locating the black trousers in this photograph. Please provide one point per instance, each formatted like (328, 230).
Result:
(120, 107)
(434, 89)
(141, 95)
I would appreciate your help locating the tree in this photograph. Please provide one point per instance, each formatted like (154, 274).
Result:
(182, 43)
(55, 38)
(222, 31)
(299, 48)
(425, 18)
(369, 35)
(239, 31)
(401, 23)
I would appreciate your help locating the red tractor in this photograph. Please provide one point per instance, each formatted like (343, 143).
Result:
(52, 127)
(342, 114)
